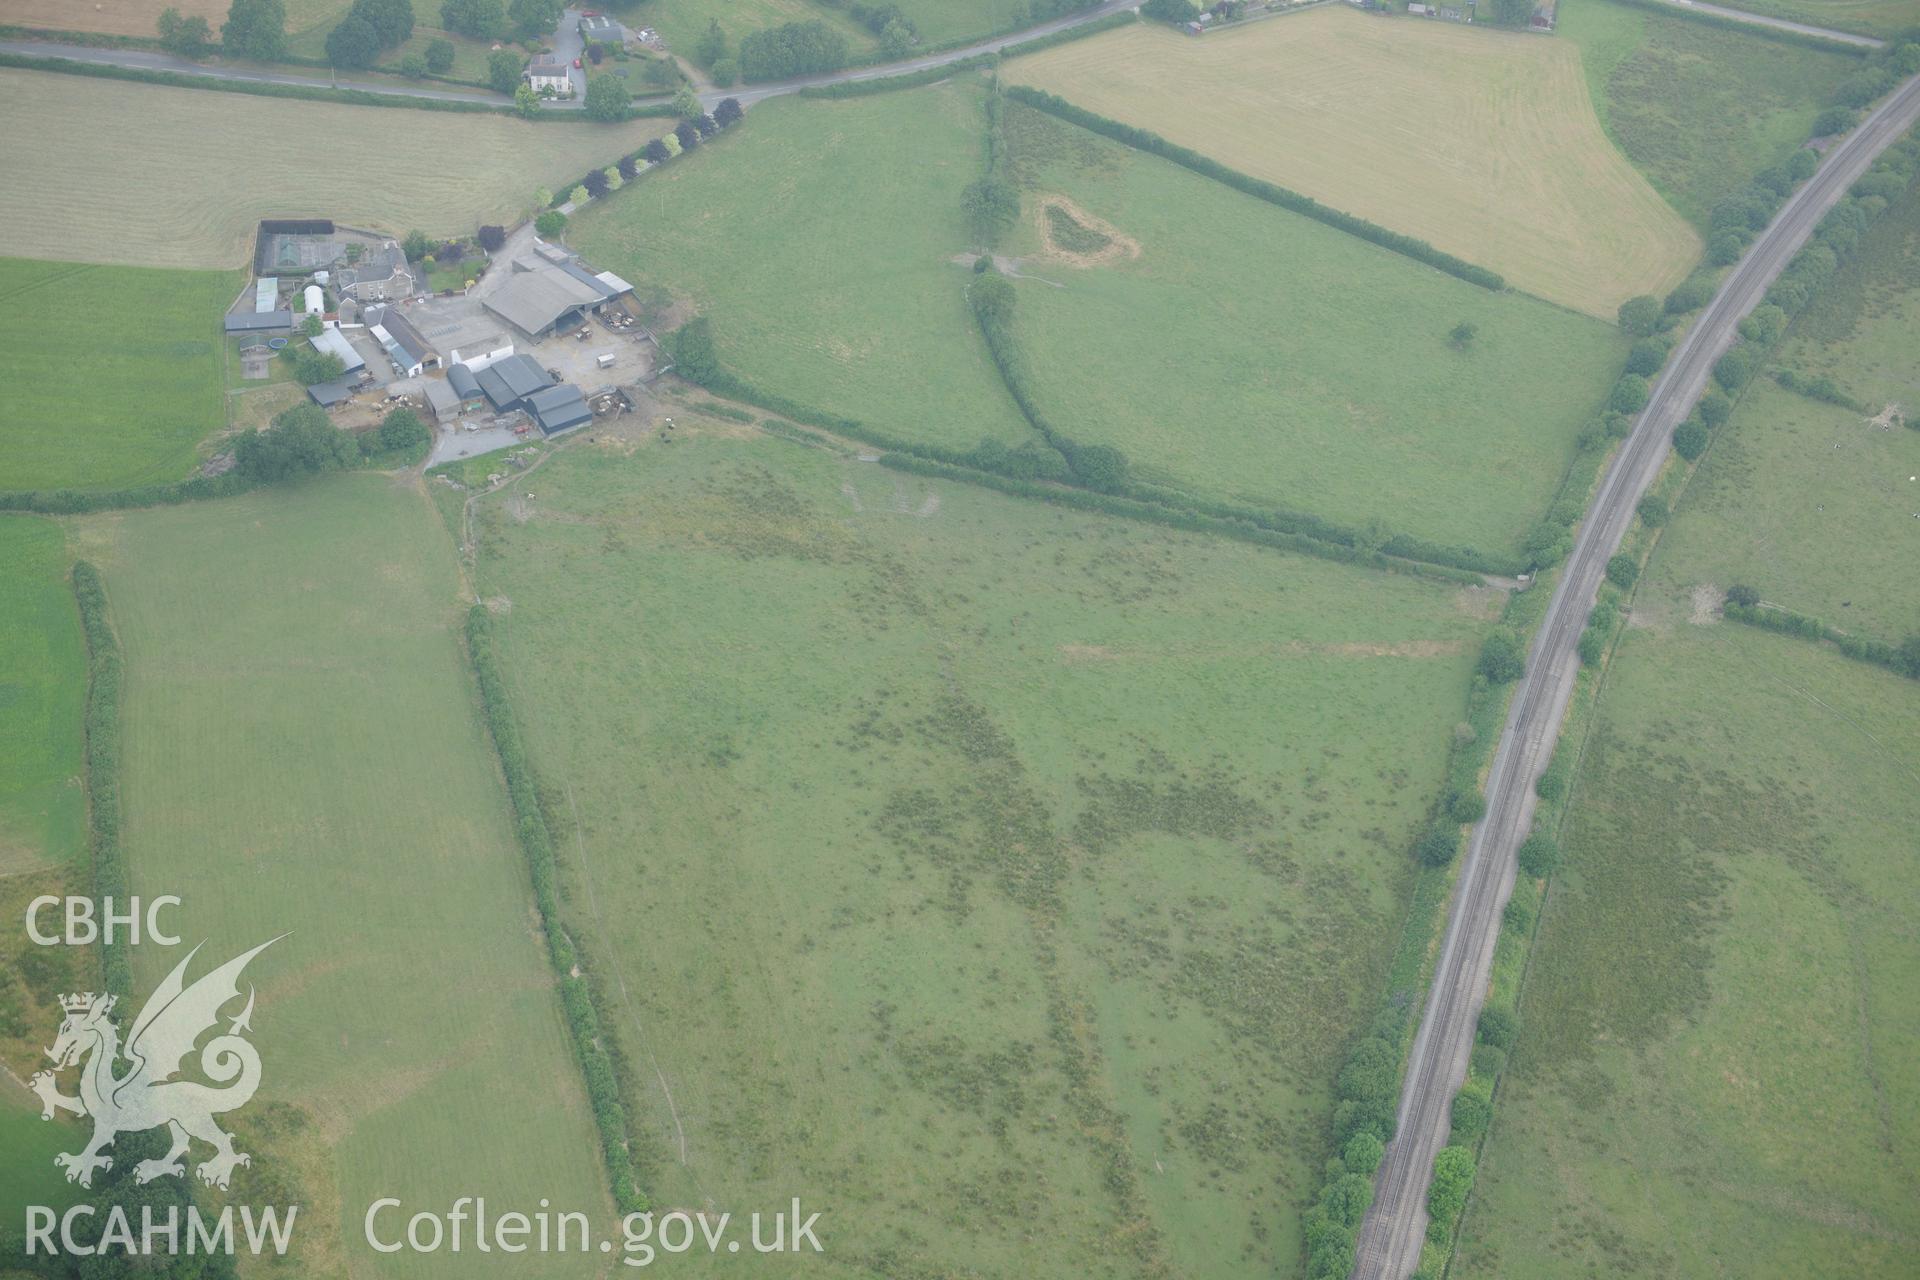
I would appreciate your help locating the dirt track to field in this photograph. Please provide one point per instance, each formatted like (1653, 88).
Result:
(139, 174)
(1483, 143)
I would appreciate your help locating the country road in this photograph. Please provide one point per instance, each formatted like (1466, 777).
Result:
(1391, 1235)
(147, 60)
(1778, 24)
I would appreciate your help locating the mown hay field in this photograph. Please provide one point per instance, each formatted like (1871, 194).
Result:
(1698, 109)
(1014, 875)
(1482, 143)
(1242, 352)
(140, 17)
(317, 763)
(140, 174)
(113, 374)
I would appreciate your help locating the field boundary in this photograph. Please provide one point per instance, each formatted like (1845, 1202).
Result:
(1293, 201)
(310, 93)
(536, 842)
(691, 347)
(102, 738)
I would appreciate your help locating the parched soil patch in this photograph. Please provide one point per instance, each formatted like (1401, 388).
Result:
(1077, 238)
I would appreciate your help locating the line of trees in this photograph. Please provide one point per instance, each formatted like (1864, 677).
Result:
(1367, 1090)
(1028, 471)
(1743, 605)
(102, 724)
(1373, 233)
(536, 842)
(1810, 271)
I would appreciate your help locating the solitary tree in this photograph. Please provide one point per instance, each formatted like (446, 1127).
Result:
(711, 46)
(595, 183)
(1502, 657)
(1690, 439)
(1640, 316)
(416, 246)
(391, 20)
(491, 237)
(255, 29)
(1439, 845)
(1496, 1026)
(685, 104)
(728, 112)
(1744, 596)
(525, 101)
(1452, 1180)
(503, 70)
(550, 224)
(655, 152)
(531, 18)
(439, 56)
(688, 136)
(991, 206)
(1623, 570)
(1463, 334)
(353, 44)
(1539, 855)
(608, 98)
(1178, 12)
(187, 37)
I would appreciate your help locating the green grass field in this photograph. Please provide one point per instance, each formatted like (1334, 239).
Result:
(1714, 1070)
(113, 373)
(42, 685)
(1814, 505)
(1713, 1075)
(818, 239)
(1249, 353)
(1699, 109)
(1005, 878)
(42, 837)
(316, 763)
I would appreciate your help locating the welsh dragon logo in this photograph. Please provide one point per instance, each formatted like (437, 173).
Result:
(149, 1093)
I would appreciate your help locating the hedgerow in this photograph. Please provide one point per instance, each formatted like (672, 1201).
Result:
(102, 724)
(1902, 659)
(1154, 144)
(536, 841)
(1026, 472)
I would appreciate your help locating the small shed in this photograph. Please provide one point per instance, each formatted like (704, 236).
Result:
(464, 384)
(559, 408)
(316, 300)
(332, 342)
(259, 321)
(442, 400)
(329, 394)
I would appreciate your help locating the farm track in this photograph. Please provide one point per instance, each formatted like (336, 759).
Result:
(1395, 1226)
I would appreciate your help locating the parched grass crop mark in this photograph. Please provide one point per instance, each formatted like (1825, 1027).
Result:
(620, 980)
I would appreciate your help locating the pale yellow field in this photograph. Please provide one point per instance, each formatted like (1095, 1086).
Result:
(1483, 143)
(113, 171)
